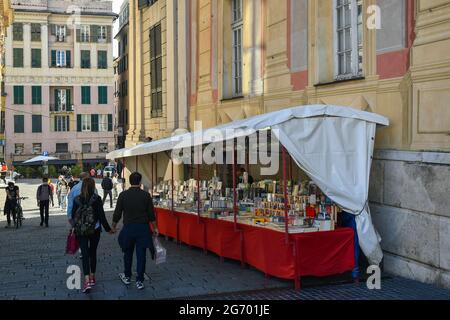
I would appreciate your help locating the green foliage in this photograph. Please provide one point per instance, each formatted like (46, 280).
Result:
(20, 170)
(29, 172)
(52, 172)
(100, 166)
(76, 170)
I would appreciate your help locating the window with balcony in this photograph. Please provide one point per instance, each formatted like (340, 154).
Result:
(156, 71)
(62, 123)
(348, 39)
(85, 59)
(61, 58)
(37, 148)
(18, 95)
(103, 147)
(19, 149)
(86, 148)
(60, 33)
(36, 95)
(36, 32)
(36, 123)
(35, 58)
(62, 148)
(102, 33)
(17, 31)
(19, 124)
(85, 33)
(18, 58)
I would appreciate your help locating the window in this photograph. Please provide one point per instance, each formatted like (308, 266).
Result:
(85, 59)
(62, 148)
(61, 58)
(349, 37)
(102, 95)
(102, 122)
(36, 95)
(102, 60)
(37, 148)
(35, 32)
(236, 30)
(19, 126)
(18, 58)
(86, 148)
(35, 58)
(62, 123)
(2, 123)
(102, 33)
(156, 70)
(18, 32)
(85, 33)
(36, 123)
(60, 33)
(19, 148)
(63, 100)
(85, 122)
(103, 147)
(144, 3)
(18, 94)
(85, 95)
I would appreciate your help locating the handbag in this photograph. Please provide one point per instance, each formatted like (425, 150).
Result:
(160, 251)
(72, 244)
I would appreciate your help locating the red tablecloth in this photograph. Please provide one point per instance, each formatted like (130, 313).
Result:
(305, 254)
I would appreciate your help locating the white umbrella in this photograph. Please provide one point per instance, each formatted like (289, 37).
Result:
(40, 159)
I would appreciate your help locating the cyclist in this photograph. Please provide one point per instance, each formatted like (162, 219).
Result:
(12, 194)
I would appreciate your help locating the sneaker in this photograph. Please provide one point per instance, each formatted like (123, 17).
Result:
(139, 285)
(41, 224)
(126, 280)
(87, 287)
(92, 280)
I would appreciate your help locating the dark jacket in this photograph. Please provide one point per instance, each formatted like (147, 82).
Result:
(97, 205)
(107, 184)
(136, 206)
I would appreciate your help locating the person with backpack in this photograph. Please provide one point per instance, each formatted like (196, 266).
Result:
(107, 186)
(12, 194)
(43, 195)
(136, 206)
(88, 217)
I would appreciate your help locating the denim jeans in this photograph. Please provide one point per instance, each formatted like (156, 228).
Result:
(141, 259)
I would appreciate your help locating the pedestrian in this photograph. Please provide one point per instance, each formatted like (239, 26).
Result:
(12, 194)
(115, 182)
(92, 172)
(119, 168)
(43, 195)
(99, 173)
(72, 183)
(136, 207)
(88, 206)
(107, 186)
(75, 191)
(58, 190)
(64, 191)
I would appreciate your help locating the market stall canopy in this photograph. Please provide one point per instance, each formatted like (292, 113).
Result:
(40, 159)
(332, 144)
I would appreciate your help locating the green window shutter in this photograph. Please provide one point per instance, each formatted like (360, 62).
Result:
(68, 58)
(19, 124)
(86, 95)
(68, 123)
(18, 94)
(53, 58)
(110, 122)
(35, 58)
(69, 98)
(68, 31)
(54, 124)
(102, 95)
(108, 34)
(36, 123)
(94, 122)
(36, 95)
(78, 31)
(94, 33)
(53, 29)
(18, 58)
(79, 122)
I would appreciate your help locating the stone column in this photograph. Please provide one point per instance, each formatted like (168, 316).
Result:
(172, 66)
(44, 46)
(9, 48)
(133, 11)
(27, 45)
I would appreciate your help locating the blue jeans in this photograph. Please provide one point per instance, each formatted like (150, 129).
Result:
(128, 261)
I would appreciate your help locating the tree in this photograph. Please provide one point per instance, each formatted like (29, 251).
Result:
(76, 170)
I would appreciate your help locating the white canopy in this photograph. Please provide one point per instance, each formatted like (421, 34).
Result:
(40, 159)
(332, 144)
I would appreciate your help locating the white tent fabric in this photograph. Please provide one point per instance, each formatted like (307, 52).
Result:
(332, 144)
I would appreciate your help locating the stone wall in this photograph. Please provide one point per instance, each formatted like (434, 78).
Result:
(410, 204)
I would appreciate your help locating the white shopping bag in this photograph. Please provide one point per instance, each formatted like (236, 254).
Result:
(160, 251)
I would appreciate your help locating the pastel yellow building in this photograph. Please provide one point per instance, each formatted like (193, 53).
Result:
(6, 18)
(218, 61)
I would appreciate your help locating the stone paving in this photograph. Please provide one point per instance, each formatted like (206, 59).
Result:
(33, 266)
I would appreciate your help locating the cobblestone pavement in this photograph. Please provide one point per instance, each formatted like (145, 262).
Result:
(33, 266)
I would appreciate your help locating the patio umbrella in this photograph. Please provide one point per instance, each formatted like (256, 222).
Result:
(40, 159)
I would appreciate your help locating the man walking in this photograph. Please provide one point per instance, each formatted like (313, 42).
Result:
(43, 195)
(136, 206)
(107, 186)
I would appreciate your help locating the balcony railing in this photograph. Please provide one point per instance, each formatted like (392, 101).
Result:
(61, 108)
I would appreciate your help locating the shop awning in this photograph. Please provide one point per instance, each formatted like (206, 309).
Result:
(332, 144)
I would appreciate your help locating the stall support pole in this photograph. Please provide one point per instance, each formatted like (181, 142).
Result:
(173, 202)
(234, 186)
(137, 164)
(286, 200)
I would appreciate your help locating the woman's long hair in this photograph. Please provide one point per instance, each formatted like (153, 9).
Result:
(88, 188)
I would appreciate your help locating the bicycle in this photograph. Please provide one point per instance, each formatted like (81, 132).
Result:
(18, 213)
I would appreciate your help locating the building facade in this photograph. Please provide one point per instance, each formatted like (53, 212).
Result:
(6, 17)
(59, 81)
(218, 61)
(121, 76)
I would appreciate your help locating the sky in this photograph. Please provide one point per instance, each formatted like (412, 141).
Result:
(116, 9)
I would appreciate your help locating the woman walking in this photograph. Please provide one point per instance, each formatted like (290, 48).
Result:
(87, 218)
(63, 192)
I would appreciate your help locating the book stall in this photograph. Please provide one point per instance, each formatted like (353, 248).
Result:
(287, 225)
